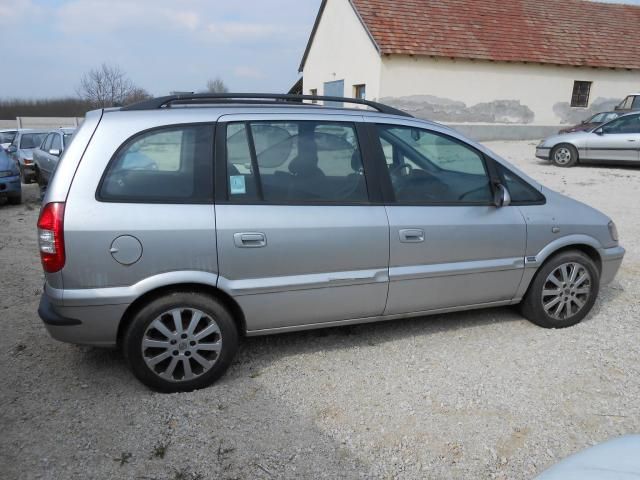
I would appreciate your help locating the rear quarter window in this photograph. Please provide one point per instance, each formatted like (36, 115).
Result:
(169, 165)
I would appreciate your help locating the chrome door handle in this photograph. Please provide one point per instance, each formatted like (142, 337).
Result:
(412, 235)
(250, 240)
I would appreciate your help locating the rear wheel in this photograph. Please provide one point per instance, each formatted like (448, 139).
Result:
(180, 342)
(563, 291)
(564, 155)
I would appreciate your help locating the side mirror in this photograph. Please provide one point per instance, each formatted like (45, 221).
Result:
(501, 196)
(599, 131)
(55, 152)
(12, 149)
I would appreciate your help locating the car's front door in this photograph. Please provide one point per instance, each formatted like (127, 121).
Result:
(450, 246)
(300, 241)
(618, 140)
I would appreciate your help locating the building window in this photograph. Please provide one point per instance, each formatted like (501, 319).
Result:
(580, 97)
(360, 91)
(314, 92)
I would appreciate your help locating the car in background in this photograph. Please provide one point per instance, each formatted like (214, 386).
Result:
(592, 122)
(6, 137)
(47, 155)
(10, 187)
(617, 141)
(629, 104)
(21, 150)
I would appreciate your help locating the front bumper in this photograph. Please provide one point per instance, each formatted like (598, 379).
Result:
(95, 325)
(611, 261)
(10, 186)
(543, 153)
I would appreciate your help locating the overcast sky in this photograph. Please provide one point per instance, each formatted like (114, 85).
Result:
(164, 45)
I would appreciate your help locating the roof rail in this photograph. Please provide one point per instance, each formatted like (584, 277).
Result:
(255, 98)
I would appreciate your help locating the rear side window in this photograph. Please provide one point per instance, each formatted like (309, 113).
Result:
(170, 165)
(294, 162)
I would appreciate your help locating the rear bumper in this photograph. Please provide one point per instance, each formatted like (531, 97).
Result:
(611, 261)
(10, 186)
(85, 325)
(543, 153)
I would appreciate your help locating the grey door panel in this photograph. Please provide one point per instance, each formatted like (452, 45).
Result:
(613, 147)
(470, 255)
(318, 264)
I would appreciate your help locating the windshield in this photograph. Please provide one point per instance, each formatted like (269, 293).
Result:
(7, 137)
(31, 140)
(599, 118)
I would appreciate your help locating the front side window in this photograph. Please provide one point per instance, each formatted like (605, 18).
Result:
(46, 145)
(622, 125)
(636, 102)
(429, 168)
(580, 96)
(294, 162)
(171, 165)
(56, 142)
(67, 137)
(519, 190)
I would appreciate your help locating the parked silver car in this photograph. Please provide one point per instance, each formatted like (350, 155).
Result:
(21, 151)
(47, 155)
(617, 141)
(175, 226)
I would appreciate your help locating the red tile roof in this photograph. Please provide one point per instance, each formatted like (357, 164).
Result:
(562, 32)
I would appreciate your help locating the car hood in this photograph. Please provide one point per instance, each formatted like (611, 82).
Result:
(582, 127)
(26, 152)
(564, 137)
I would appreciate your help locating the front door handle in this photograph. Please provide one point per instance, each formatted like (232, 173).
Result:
(412, 235)
(250, 240)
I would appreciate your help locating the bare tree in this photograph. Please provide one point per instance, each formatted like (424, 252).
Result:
(106, 86)
(217, 86)
(137, 95)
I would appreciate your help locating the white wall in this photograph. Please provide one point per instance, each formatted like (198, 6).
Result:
(539, 87)
(342, 50)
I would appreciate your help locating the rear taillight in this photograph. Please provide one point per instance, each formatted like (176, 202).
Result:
(51, 237)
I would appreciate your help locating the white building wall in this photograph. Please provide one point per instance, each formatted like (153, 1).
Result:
(543, 89)
(342, 50)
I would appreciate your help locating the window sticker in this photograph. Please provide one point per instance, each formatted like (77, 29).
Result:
(238, 185)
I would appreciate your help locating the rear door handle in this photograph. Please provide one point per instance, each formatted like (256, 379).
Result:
(412, 235)
(250, 240)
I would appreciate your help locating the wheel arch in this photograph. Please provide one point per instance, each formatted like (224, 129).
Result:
(191, 287)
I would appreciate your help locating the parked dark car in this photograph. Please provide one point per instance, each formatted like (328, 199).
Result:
(629, 104)
(21, 151)
(592, 122)
(47, 155)
(10, 187)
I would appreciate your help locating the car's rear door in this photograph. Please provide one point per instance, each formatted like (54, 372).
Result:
(450, 246)
(302, 237)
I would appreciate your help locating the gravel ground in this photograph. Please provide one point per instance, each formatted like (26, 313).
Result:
(471, 395)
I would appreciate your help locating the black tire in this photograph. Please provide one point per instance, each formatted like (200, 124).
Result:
(532, 307)
(186, 303)
(15, 199)
(564, 155)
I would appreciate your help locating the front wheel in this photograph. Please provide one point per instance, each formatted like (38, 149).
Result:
(564, 155)
(181, 342)
(563, 291)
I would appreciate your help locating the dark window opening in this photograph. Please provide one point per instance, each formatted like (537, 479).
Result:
(580, 96)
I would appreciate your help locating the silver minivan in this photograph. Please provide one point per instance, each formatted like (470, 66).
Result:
(176, 226)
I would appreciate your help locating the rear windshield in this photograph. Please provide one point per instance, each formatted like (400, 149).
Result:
(32, 140)
(7, 137)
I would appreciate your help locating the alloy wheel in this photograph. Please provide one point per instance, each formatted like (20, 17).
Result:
(566, 291)
(181, 344)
